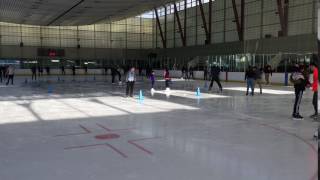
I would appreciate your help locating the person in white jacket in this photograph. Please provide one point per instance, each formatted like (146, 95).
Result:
(10, 74)
(131, 78)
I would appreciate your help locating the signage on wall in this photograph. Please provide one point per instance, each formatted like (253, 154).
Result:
(48, 52)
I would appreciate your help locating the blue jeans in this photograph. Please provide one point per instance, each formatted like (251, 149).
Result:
(250, 84)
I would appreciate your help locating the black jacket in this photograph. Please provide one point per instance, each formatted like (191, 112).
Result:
(215, 71)
(250, 74)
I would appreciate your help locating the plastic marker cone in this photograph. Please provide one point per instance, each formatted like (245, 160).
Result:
(141, 98)
(198, 92)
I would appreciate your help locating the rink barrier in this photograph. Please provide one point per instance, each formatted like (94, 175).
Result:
(276, 78)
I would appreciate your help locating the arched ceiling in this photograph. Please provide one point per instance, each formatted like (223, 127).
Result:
(72, 12)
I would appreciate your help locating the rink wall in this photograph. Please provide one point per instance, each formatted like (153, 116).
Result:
(278, 78)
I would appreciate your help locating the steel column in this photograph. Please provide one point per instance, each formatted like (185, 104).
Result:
(179, 25)
(160, 29)
(283, 11)
(240, 23)
(286, 16)
(185, 23)
(242, 18)
(204, 22)
(210, 22)
(281, 17)
(165, 24)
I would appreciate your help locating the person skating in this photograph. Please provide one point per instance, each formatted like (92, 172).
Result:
(48, 70)
(40, 71)
(267, 73)
(63, 72)
(131, 78)
(34, 73)
(152, 79)
(167, 79)
(10, 74)
(215, 76)
(300, 82)
(314, 68)
(114, 73)
(250, 79)
(191, 73)
(205, 73)
(1, 74)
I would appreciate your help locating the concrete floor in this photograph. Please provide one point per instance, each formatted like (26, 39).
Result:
(88, 130)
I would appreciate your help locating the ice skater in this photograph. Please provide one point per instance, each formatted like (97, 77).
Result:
(152, 79)
(1, 73)
(300, 82)
(63, 72)
(10, 74)
(267, 73)
(205, 73)
(34, 73)
(167, 79)
(131, 78)
(215, 77)
(250, 79)
(48, 70)
(315, 84)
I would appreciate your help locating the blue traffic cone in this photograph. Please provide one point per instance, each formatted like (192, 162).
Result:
(198, 92)
(141, 98)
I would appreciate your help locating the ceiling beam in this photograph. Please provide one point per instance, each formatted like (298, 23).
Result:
(64, 13)
(239, 22)
(204, 22)
(164, 42)
(179, 25)
(283, 11)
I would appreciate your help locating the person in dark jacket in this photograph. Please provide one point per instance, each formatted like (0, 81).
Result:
(48, 70)
(215, 76)
(34, 73)
(250, 78)
(40, 70)
(300, 82)
(114, 73)
(267, 73)
(1, 73)
(63, 72)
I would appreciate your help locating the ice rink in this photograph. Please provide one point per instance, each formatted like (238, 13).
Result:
(86, 129)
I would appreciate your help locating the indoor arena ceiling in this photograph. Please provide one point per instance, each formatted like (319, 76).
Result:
(72, 12)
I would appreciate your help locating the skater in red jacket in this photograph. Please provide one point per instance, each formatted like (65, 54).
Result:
(315, 84)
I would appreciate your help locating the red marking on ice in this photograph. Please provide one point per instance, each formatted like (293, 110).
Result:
(86, 131)
(133, 142)
(107, 136)
(117, 150)
(82, 147)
